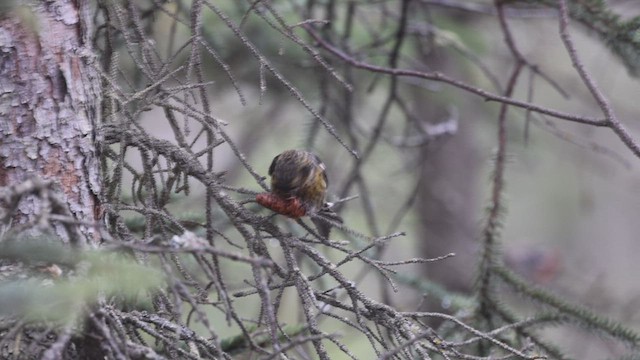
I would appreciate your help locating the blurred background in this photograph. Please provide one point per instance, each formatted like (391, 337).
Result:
(427, 149)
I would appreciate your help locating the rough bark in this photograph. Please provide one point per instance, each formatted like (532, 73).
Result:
(49, 107)
(49, 113)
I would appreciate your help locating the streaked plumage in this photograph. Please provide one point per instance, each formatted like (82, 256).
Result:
(299, 187)
(301, 174)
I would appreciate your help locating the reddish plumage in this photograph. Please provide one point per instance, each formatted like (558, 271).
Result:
(301, 175)
(298, 188)
(291, 207)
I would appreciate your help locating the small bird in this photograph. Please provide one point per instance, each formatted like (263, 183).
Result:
(299, 187)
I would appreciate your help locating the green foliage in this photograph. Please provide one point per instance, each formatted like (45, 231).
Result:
(621, 36)
(32, 250)
(449, 300)
(576, 313)
(89, 276)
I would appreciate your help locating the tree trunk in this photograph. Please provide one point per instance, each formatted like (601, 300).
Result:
(50, 107)
(448, 200)
(50, 95)
(447, 205)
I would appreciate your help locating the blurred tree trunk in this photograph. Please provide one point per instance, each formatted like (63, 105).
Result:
(50, 107)
(50, 98)
(447, 206)
(447, 203)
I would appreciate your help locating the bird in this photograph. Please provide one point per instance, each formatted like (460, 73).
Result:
(298, 188)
